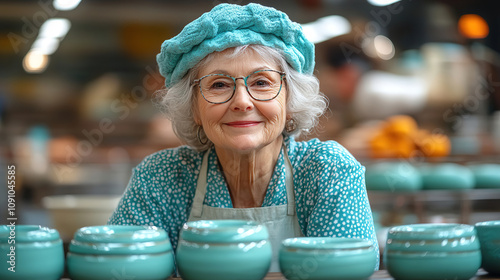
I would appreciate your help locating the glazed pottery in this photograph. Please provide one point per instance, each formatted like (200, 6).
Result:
(489, 238)
(446, 176)
(120, 252)
(486, 175)
(327, 258)
(223, 250)
(30, 252)
(393, 176)
(432, 252)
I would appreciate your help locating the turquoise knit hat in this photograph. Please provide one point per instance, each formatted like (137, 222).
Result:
(229, 25)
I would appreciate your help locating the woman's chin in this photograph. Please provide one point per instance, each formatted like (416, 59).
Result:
(245, 144)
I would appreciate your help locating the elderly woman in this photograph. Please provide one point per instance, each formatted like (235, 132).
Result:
(239, 88)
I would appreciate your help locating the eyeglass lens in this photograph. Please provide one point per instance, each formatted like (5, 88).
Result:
(261, 85)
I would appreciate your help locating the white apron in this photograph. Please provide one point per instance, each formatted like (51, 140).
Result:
(281, 221)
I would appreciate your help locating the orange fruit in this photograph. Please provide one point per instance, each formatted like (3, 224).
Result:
(401, 125)
(404, 147)
(434, 145)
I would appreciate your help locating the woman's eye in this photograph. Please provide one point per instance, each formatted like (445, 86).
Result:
(219, 85)
(261, 83)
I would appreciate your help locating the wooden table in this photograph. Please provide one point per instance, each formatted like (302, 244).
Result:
(379, 275)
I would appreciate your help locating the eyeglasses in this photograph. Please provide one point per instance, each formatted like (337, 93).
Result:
(262, 85)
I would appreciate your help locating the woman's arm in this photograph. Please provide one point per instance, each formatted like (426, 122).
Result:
(159, 194)
(335, 199)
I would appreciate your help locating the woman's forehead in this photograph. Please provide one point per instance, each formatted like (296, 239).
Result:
(244, 60)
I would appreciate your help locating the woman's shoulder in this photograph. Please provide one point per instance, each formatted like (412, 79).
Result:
(179, 158)
(327, 152)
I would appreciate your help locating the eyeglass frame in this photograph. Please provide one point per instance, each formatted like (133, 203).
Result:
(197, 81)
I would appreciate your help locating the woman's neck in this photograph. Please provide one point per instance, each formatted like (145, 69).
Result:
(248, 175)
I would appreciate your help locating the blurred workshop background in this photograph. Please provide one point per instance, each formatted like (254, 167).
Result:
(414, 91)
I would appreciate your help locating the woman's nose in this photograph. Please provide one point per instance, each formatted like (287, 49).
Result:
(242, 101)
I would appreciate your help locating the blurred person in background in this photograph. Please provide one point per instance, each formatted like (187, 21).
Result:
(340, 72)
(239, 89)
(361, 93)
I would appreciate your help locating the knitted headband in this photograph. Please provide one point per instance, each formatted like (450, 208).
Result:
(229, 25)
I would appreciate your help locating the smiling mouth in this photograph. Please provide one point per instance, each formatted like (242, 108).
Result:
(243, 123)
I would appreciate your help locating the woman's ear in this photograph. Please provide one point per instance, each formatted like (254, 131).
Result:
(196, 113)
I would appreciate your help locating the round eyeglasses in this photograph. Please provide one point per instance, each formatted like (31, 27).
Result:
(262, 85)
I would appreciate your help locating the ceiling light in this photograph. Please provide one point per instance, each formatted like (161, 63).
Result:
(326, 28)
(54, 28)
(384, 47)
(381, 3)
(46, 45)
(473, 26)
(65, 5)
(35, 62)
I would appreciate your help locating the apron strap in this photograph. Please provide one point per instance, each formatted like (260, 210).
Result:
(290, 190)
(201, 188)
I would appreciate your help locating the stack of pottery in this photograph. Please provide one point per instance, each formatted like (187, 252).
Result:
(223, 250)
(393, 176)
(321, 258)
(489, 237)
(446, 176)
(30, 252)
(120, 252)
(432, 252)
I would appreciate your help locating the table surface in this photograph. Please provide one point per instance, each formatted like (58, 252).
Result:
(379, 275)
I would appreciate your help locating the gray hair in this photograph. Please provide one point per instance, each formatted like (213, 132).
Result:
(305, 103)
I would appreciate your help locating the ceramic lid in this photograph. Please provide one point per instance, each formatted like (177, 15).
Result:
(431, 231)
(224, 231)
(327, 243)
(493, 224)
(27, 233)
(120, 239)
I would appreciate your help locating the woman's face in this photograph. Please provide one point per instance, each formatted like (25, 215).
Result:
(242, 124)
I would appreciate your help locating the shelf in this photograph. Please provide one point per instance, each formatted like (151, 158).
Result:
(419, 201)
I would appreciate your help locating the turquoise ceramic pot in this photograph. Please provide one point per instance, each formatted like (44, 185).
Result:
(120, 252)
(327, 258)
(489, 237)
(446, 176)
(29, 252)
(393, 176)
(223, 250)
(432, 252)
(486, 175)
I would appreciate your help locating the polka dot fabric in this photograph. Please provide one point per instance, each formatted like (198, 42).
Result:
(329, 184)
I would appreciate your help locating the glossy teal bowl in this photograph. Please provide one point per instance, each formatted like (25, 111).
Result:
(486, 175)
(120, 252)
(432, 252)
(446, 176)
(323, 258)
(393, 176)
(489, 238)
(223, 250)
(30, 252)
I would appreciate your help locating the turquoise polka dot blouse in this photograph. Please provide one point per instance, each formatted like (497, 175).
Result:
(330, 193)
